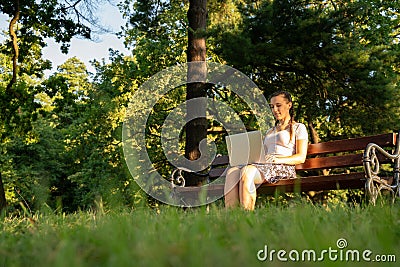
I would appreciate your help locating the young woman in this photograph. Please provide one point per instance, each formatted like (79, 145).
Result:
(285, 146)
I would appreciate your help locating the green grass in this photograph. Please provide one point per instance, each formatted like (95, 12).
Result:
(171, 236)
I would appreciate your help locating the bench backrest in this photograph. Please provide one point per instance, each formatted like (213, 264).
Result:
(327, 155)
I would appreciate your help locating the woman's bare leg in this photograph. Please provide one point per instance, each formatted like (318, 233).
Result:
(250, 177)
(231, 188)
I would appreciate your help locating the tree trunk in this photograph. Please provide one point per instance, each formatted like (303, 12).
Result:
(314, 134)
(315, 140)
(3, 202)
(9, 88)
(14, 40)
(196, 129)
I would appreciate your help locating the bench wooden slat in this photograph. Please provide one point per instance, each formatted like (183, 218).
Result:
(217, 172)
(343, 161)
(317, 183)
(350, 160)
(304, 184)
(353, 144)
(220, 160)
(193, 192)
(310, 164)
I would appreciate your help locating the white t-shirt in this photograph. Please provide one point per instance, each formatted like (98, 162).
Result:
(279, 143)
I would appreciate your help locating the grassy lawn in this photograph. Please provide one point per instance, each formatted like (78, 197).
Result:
(170, 236)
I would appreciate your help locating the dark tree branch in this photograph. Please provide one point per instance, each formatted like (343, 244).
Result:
(14, 39)
(72, 5)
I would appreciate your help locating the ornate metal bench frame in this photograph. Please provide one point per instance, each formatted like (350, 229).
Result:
(375, 183)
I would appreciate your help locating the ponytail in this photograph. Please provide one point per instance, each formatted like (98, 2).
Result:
(291, 122)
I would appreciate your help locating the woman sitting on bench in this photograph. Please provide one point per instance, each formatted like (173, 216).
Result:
(285, 146)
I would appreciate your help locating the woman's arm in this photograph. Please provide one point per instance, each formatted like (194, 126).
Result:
(299, 157)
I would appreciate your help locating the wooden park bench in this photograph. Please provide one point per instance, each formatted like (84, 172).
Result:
(342, 164)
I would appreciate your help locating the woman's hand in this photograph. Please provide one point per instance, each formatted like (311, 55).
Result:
(270, 158)
(298, 158)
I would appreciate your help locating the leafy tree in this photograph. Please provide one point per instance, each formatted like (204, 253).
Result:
(73, 156)
(18, 113)
(338, 58)
(196, 129)
(37, 162)
(88, 115)
(163, 30)
(30, 22)
(156, 33)
(39, 20)
(95, 138)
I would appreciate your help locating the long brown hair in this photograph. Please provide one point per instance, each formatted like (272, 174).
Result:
(288, 97)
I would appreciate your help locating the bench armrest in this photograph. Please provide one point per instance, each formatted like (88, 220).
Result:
(371, 161)
(178, 179)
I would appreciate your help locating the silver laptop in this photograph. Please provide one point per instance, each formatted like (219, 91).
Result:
(245, 148)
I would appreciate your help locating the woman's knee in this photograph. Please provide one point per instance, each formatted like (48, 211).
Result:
(232, 176)
(233, 170)
(247, 178)
(248, 171)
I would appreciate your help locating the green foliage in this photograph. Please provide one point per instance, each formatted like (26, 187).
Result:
(72, 155)
(340, 73)
(42, 19)
(19, 112)
(37, 167)
(90, 115)
(156, 31)
(30, 23)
